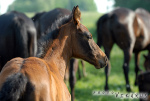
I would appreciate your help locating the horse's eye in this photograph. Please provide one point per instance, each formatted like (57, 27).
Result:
(88, 35)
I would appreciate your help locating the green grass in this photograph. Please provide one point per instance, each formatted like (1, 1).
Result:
(95, 79)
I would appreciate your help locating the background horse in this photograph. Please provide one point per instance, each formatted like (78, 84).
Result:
(73, 68)
(129, 31)
(34, 79)
(17, 37)
(147, 62)
(144, 82)
(43, 21)
(143, 79)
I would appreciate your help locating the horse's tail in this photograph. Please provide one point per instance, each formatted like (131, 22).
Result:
(13, 88)
(32, 41)
(100, 23)
(21, 49)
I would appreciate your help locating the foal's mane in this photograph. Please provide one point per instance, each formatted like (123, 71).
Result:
(51, 34)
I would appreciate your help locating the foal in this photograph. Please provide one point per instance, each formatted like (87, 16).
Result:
(41, 79)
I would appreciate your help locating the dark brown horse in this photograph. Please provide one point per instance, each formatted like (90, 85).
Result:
(147, 62)
(17, 37)
(42, 79)
(144, 85)
(75, 65)
(43, 21)
(129, 31)
(143, 79)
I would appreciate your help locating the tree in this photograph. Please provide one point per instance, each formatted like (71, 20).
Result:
(46, 5)
(133, 4)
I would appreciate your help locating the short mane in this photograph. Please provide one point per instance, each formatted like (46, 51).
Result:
(51, 34)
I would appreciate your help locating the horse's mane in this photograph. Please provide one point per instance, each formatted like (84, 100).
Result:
(51, 34)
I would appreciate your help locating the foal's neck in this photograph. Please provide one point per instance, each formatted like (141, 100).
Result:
(59, 53)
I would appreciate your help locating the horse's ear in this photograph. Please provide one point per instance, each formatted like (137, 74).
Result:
(76, 15)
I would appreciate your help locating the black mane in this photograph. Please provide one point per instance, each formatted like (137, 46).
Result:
(51, 34)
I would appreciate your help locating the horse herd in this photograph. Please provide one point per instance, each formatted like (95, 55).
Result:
(130, 30)
(35, 53)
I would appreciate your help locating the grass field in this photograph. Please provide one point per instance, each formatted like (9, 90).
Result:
(95, 79)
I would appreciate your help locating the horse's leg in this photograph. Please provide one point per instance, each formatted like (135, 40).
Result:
(0, 64)
(66, 77)
(127, 56)
(79, 73)
(72, 78)
(137, 69)
(107, 68)
(83, 68)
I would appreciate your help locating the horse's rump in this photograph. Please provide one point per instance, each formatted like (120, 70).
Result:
(17, 36)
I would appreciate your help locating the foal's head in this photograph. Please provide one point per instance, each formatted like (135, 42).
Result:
(82, 43)
(147, 62)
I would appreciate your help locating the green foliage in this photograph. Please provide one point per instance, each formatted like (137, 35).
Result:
(46, 5)
(133, 4)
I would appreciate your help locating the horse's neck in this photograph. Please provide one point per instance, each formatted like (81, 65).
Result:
(59, 54)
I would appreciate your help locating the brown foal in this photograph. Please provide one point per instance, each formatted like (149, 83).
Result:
(42, 79)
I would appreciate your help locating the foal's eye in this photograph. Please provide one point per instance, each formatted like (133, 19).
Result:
(88, 35)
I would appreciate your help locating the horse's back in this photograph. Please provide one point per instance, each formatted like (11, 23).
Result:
(31, 68)
(142, 41)
(144, 16)
(41, 82)
(118, 28)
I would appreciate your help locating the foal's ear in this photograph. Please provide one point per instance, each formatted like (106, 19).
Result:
(76, 15)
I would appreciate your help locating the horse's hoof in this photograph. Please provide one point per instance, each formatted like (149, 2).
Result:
(128, 89)
(106, 88)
